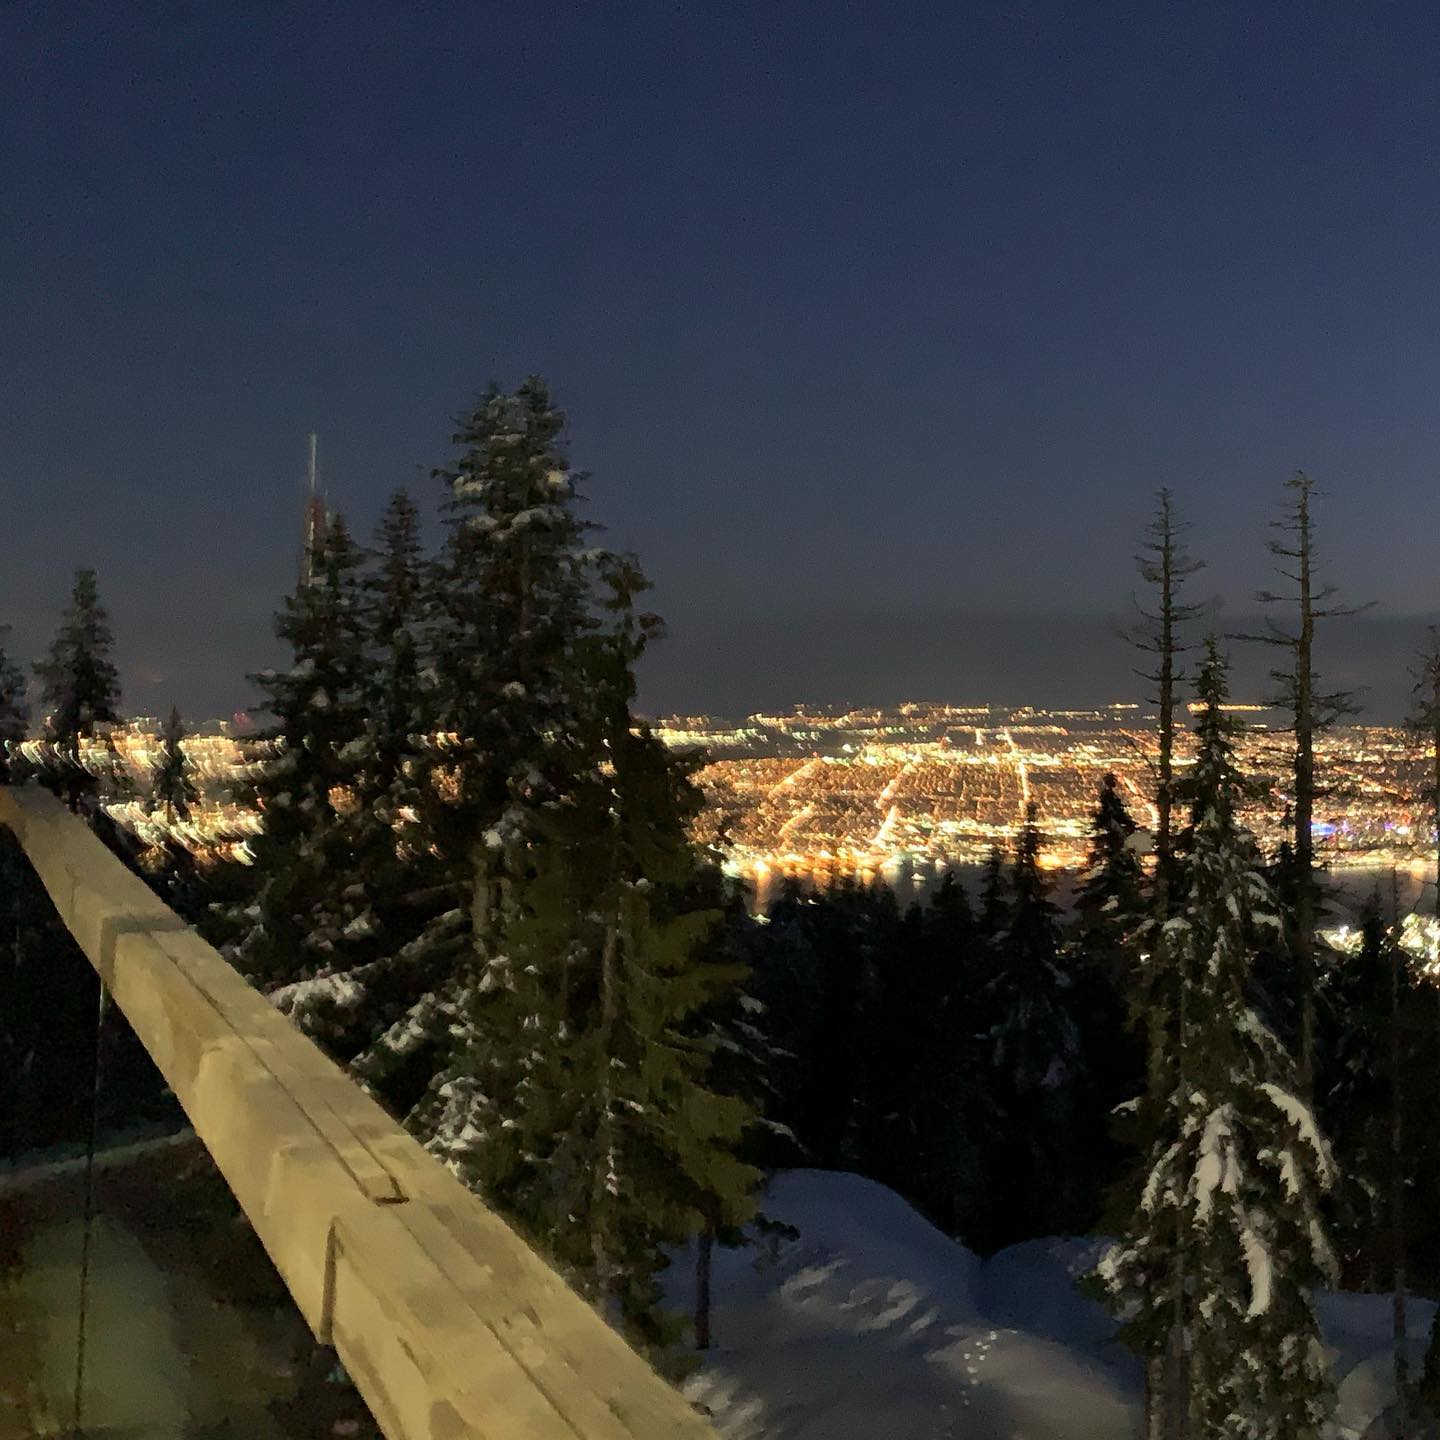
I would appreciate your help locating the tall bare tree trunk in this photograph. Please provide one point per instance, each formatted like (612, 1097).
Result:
(1397, 1172)
(606, 1162)
(1165, 566)
(1178, 1403)
(1305, 917)
(1310, 713)
(1156, 1391)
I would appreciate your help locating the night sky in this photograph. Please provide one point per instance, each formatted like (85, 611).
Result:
(877, 324)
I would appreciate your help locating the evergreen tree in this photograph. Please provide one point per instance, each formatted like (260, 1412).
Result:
(601, 1134)
(393, 959)
(821, 962)
(554, 1050)
(14, 714)
(1311, 712)
(744, 1063)
(81, 691)
(1226, 1240)
(1032, 1018)
(506, 696)
(1355, 1095)
(169, 865)
(513, 606)
(398, 609)
(309, 916)
(1033, 1037)
(994, 898)
(790, 980)
(1113, 922)
(1110, 902)
(172, 791)
(1165, 566)
(950, 1128)
(1374, 1087)
(1423, 723)
(948, 920)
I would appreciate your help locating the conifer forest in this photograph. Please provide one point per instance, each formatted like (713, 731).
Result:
(481, 888)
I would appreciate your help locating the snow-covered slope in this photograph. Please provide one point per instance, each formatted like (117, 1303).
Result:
(873, 1324)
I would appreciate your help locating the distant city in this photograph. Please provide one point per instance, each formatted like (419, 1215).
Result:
(909, 792)
(906, 793)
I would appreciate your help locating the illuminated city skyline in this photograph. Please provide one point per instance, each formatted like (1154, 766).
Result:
(912, 789)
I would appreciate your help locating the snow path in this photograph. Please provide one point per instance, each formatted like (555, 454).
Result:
(874, 1324)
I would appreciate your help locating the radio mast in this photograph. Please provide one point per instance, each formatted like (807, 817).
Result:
(315, 518)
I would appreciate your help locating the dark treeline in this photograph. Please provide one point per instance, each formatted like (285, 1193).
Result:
(480, 888)
(53, 1033)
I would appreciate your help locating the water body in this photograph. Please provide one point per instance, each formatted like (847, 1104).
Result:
(916, 880)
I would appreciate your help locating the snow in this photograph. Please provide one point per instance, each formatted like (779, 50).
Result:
(1298, 1114)
(874, 1314)
(302, 995)
(874, 1323)
(1216, 1169)
(1260, 1268)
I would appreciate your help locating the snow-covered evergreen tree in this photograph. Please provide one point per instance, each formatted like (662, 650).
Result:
(1227, 1242)
(512, 608)
(598, 1130)
(397, 593)
(310, 913)
(391, 960)
(505, 692)
(80, 687)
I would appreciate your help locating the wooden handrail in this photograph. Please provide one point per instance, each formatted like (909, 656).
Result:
(449, 1324)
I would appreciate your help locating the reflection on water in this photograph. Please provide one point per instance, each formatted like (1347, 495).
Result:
(912, 878)
(915, 879)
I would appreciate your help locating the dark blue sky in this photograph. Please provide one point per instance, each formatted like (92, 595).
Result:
(874, 322)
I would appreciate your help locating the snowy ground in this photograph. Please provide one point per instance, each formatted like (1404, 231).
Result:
(874, 1324)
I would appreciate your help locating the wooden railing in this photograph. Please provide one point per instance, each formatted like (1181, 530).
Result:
(448, 1323)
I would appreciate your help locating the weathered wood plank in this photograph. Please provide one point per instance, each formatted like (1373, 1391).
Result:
(450, 1325)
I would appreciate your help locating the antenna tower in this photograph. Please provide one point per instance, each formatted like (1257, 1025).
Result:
(315, 517)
